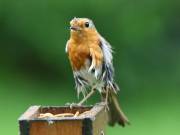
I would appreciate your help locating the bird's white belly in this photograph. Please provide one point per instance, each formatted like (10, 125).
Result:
(89, 76)
(93, 78)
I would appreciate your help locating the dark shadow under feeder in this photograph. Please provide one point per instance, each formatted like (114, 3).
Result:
(91, 120)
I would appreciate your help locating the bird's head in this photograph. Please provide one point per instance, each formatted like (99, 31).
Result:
(81, 26)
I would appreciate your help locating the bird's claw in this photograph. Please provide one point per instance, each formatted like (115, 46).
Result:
(105, 104)
(71, 105)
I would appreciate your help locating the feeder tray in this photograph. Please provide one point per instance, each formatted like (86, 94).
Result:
(84, 120)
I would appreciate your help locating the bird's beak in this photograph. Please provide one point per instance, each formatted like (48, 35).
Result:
(75, 28)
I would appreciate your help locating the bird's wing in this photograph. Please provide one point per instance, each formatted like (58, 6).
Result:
(107, 68)
(96, 55)
(107, 50)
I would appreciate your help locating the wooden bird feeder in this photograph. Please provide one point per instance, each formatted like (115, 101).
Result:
(92, 120)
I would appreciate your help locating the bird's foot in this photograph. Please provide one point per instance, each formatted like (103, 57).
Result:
(100, 103)
(71, 105)
(105, 104)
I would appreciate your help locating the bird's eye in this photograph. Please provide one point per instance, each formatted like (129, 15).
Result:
(87, 24)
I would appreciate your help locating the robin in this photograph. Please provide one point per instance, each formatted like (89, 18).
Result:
(91, 57)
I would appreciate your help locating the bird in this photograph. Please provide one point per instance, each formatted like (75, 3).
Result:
(91, 59)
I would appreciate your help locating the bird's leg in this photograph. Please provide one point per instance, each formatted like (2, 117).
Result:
(83, 100)
(87, 96)
(93, 89)
(106, 100)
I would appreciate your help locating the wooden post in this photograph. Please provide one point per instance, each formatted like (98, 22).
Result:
(93, 122)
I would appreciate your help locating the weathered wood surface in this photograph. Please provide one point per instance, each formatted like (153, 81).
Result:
(93, 123)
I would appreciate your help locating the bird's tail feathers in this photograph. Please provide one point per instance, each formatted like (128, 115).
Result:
(115, 113)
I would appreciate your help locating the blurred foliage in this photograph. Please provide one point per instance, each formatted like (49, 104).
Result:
(145, 35)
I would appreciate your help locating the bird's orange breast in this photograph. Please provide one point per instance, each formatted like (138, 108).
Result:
(78, 54)
(80, 49)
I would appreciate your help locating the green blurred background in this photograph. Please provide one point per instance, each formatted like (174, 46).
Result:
(145, 34)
